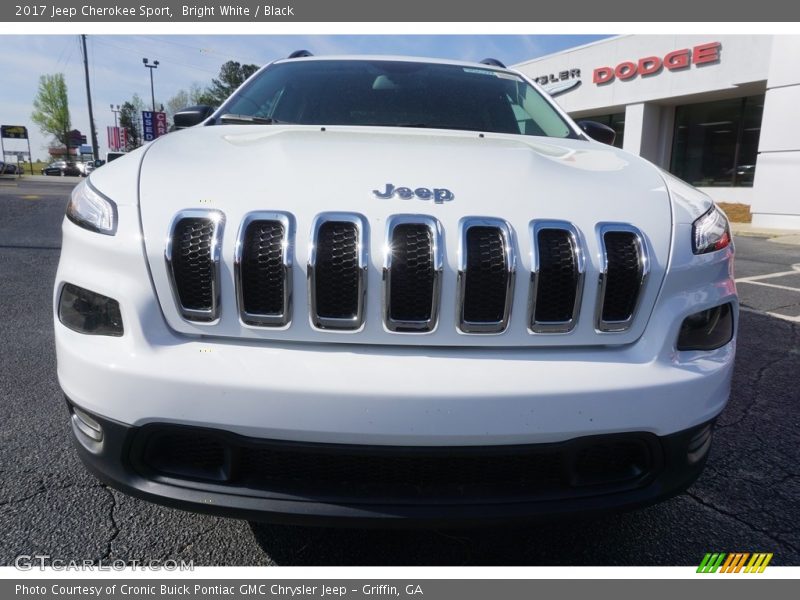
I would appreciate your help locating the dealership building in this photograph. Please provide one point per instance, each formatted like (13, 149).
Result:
(719, 111)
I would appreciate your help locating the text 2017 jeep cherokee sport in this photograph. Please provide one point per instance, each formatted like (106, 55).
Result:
(376, 288)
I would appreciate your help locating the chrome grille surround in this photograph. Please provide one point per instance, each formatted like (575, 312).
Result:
(284, 318)
(579, 260)
(356, 323)
(602, 229)
(211, 272)
(208, 316)
(435, 229)
(506, 233)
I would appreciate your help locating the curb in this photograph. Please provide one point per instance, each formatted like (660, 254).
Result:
(777, 236)
(40, 178)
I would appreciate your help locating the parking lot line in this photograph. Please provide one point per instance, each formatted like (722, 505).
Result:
(769, 314)
(794, 271)
(763, 282)
(772, 285)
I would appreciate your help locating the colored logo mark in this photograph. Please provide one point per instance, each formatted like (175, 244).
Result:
(735, 562)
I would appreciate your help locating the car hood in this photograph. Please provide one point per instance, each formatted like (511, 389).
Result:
(306, 170)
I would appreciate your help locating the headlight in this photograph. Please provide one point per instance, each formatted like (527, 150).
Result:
(710, 232)
(91, 210)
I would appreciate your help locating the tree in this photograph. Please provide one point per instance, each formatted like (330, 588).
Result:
(231, 75)
(179, 101)
(184, 98)
(51, 108)
(130, 115)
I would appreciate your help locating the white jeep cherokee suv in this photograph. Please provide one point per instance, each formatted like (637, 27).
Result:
(398, 290)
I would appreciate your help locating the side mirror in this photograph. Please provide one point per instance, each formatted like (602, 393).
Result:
(191, 116)
(99, 163)
(598, 131)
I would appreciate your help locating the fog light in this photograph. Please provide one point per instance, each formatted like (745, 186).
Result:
(87, 425)
(86, 312)
(707, 330)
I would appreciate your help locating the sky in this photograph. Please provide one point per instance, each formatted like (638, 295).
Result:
(116, 71)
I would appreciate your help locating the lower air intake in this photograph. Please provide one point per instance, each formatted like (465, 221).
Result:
(401, 475)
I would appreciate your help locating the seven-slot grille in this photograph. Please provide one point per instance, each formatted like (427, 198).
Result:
(412, 273)
(192, 256)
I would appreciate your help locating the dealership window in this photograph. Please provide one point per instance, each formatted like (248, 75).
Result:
(716, 143)
(616, 122)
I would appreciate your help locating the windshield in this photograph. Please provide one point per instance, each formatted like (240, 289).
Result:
(398, 94)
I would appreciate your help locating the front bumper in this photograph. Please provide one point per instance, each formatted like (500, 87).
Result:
(568, 479)
(391, 396)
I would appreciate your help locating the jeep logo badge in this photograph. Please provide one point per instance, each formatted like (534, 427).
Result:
(438, 195)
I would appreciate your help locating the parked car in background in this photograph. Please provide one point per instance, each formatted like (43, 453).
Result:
(62, 167)
(85, 168)
(11, 169)
(114, 156)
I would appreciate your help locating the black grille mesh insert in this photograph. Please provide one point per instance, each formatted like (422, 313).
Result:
(624, 277)
(262, 268)
(183, 453)
(412, 273)
(336, 270)
(192, 266)
(609, 461)
(557, 284)
(486, 275)
(436, 475)
(397, 474)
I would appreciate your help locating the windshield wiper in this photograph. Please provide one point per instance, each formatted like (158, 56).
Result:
(230, 118)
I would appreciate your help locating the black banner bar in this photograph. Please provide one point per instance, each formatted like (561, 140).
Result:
(729, 587)
(256, 11)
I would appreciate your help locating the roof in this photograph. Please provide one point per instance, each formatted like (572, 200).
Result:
(416, 59)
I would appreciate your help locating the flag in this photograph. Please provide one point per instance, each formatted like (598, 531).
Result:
(114, 138)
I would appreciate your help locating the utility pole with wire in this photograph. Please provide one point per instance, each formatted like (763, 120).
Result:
(95, 148)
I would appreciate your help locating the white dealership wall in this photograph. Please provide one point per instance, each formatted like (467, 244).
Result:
(747, 65)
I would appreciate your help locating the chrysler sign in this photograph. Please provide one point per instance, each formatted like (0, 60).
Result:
(558, 83)
(654, 65)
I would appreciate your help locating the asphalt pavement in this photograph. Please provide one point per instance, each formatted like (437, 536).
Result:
(747, 499)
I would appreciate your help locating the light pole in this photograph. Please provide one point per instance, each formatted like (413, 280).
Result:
(116, 112)
(151, 67)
